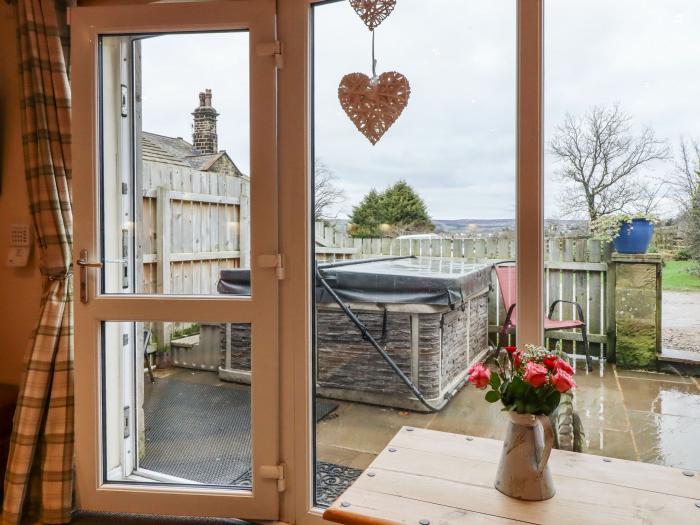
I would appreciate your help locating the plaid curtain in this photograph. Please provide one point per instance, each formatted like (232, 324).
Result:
(39, 478)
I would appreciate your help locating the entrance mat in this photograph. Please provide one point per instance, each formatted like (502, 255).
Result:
(200, 432)
(331, 481)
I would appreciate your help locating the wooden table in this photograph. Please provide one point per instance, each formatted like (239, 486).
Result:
(424, 477)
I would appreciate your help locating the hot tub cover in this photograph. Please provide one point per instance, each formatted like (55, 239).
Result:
(234, 281)
(412, 280)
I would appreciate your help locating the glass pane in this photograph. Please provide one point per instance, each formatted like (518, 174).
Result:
(434, 199)
(175, 161)
(178, 413)
(622, 138)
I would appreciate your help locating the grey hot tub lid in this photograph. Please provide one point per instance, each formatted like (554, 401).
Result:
(234, 281)
(413, 280)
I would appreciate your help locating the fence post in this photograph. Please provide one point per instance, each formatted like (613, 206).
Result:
(163, 235)
(637, 309)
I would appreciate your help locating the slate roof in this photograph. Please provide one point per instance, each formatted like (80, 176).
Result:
(178, 152)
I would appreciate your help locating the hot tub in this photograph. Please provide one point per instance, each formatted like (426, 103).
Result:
(430, 315)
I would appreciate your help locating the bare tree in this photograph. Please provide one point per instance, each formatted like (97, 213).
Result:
(325, 191)
(684, 180)
(600, 160)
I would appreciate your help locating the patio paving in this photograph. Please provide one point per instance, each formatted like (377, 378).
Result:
(640, 416)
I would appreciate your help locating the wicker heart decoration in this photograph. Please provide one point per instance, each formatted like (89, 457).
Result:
(373, 105)
(373, 12)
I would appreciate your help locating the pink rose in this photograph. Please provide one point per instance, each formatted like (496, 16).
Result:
(562, 381)
(535, 374)
(479, 375)
(563, 365)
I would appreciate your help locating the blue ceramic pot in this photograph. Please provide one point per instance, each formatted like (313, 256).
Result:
(634, 237)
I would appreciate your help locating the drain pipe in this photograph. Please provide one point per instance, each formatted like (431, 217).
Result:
(371, 340)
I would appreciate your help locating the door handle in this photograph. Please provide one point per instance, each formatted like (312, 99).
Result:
(85, 265)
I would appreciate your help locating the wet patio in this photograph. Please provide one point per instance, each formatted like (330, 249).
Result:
(642, 416)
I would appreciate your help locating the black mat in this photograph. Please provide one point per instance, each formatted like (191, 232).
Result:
(331, 481)
(201, 432)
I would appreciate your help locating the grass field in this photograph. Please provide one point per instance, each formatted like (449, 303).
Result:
(677, 278)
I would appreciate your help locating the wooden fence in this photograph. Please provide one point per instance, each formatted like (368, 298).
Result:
(194, 224)
(575, 270)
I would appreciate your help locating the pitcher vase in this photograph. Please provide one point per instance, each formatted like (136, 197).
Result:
(523, 472)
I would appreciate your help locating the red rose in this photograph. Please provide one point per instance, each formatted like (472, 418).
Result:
(563, 365)
(479, 375)
(535, 374)
(511, 349)
(562, 381)
(517, 359)
(550, 361)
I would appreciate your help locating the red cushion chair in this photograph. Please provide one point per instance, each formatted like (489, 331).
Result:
(506, 275)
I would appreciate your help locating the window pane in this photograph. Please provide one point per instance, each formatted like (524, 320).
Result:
(175, 161)
(621, 135)
(178, 413)
(443, 207)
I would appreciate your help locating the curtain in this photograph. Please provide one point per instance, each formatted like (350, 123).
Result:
(39, 478)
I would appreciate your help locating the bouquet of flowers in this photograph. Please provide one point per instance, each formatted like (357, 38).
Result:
(528, 380)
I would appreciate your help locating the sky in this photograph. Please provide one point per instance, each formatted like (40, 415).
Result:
(455, 141)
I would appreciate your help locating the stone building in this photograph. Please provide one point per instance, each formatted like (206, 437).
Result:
(203, 154)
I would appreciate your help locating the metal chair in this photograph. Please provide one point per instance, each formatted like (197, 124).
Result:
(506, 275)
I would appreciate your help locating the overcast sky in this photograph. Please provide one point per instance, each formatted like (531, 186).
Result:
(455, 142)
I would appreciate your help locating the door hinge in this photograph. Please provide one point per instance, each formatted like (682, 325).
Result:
(273, 261)
(275, 472)
(271, 49)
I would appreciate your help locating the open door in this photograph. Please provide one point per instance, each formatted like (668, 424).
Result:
(175, 193)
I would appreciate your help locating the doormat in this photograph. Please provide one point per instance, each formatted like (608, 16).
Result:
(331, 481)
(200, 432)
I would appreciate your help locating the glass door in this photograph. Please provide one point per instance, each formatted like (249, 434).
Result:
(177, 265)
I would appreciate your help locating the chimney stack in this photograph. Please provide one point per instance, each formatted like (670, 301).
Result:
(204, 137)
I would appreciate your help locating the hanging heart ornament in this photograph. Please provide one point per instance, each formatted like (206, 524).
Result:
(373, 12)
(373, 105)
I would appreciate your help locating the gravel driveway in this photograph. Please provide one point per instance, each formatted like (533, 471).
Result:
(681, 321)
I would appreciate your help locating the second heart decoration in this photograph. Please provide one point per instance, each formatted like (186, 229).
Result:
(373, 104)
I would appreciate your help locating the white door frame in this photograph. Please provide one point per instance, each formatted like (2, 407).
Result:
(295, 198)
(261, 310)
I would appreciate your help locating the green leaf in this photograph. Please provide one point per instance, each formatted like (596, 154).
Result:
(492, 396)
(495, 381)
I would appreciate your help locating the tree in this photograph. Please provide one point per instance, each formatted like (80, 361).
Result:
(397, 210)
(404, 210)
(692, 233)
(326, 193)
(366, 217)
(600, 161)
(684, 180)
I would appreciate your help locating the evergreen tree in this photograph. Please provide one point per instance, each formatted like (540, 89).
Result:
(366, 217)
(395, 211)
(404, 210)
